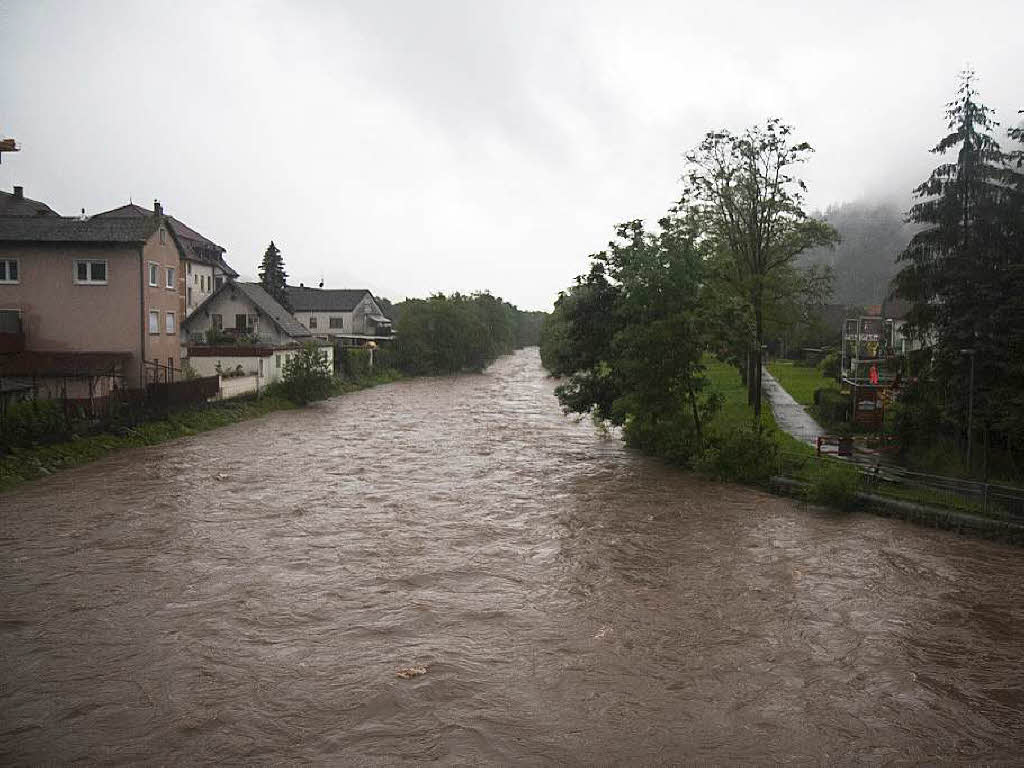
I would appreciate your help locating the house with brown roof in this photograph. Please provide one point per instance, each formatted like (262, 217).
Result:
(87, 302)
(203, 266)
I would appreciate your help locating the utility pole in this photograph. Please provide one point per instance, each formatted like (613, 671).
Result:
(970, 410)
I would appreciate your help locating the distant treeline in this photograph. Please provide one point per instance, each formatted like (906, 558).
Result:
(448, 334)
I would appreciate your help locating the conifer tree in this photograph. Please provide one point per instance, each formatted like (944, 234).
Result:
(959, 271)
(273, 277)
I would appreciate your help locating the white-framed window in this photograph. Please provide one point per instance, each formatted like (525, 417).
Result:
(162, 235)
(170, 277)
(9, 272)
(91, 271)
(154, 274)
(336, 322)
(169, 322)
(312, 321)
(154, 322)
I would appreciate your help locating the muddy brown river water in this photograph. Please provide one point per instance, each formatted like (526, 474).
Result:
(246, 596)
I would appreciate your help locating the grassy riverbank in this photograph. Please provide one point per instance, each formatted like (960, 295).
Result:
(40, 461)
(800, 380)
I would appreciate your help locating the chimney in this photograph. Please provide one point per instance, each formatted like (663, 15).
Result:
(19, 193)
(158, 210)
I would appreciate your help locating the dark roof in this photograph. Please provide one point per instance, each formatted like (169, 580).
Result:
(57, 229)
(12, 205)
(32, 363)
(265, 302)
(320, 300)
(193, 245)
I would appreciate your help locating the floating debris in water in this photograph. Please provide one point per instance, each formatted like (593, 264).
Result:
(408, 672)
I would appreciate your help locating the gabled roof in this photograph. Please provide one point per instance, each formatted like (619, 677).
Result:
(15, 205)
(57, 229)
(263, 301)
(193, 245)
(320, 300)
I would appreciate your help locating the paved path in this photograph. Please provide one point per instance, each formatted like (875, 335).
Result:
(789, 414)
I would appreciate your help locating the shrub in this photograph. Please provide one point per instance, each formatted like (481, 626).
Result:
(741, 455)
(355, 362)
(829, 365)
(832, 406)
(834, 484)
(307, 375)
(33, 421)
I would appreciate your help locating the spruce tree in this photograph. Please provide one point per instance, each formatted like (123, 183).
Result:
(958, 271)
(273, 277)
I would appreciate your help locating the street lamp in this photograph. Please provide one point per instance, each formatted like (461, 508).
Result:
(970, 409)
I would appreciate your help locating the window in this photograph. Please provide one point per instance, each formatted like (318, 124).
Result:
(217, 321)
(90, 272)
(154, 270)
(169, 322)
(8, 270)
(336, 322)
(240, 323)
(312, 321)
(190, 294)
(277, 361)
(170, 277)
(154, 321)
(170, 363)
(188, 267)
(219, 281)
(261, 367)
(162, 235)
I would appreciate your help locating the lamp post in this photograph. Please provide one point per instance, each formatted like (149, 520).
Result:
(970, 409)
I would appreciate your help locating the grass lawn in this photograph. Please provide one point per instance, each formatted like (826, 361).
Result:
(735, 413)
(799, 380)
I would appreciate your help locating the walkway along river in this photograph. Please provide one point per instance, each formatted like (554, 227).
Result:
(247, 596)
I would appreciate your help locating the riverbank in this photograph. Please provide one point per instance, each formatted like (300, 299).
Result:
(36, 462)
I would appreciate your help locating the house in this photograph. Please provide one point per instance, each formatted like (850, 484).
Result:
(203, 265)
(351, 317)
(87, 303)
(241, 329)
(16, 204)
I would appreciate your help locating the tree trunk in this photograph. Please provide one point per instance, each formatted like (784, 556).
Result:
(696, 419)
(757, 356)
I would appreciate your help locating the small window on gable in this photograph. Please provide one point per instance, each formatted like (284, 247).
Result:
(312, 321)
(162, 236)
(154, 273)
(336, 322)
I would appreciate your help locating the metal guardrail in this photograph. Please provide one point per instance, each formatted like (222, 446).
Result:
(987, 499)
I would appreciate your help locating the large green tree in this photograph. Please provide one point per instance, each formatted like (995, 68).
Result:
(962, 271)
(748, 203)
(631, 335)
(273, 277)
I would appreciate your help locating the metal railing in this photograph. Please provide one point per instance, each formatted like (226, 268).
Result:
(993, 500)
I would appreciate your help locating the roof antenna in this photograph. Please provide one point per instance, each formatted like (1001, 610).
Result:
(321, 279)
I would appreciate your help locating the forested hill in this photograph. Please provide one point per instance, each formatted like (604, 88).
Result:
(872, 235)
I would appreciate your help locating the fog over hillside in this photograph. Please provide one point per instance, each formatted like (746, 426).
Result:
(872, 232)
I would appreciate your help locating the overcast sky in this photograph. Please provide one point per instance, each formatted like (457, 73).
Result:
(413, 147)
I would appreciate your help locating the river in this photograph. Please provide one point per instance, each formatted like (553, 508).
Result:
(246, 596)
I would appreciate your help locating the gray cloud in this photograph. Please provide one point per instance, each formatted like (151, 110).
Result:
(412, 147)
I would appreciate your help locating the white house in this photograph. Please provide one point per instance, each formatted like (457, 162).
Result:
(349, 316)
(253, 337)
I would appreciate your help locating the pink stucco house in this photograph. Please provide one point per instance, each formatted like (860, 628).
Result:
(87, 299)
